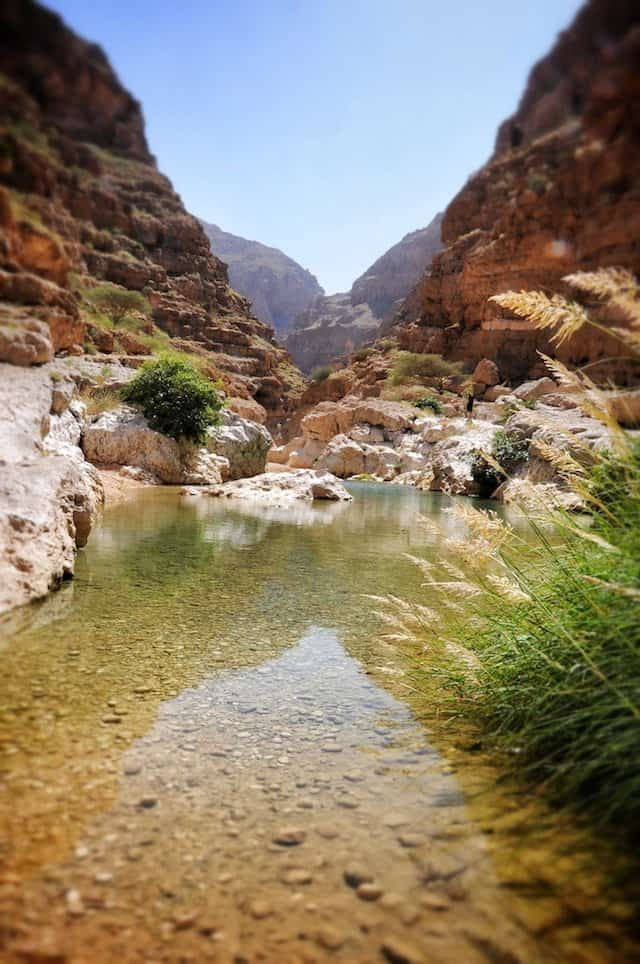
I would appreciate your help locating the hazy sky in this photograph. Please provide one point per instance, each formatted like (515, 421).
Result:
(327, 128)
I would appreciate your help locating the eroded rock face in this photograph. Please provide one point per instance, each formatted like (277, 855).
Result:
(560, 193)
(49, 494)
(334, 325)
(275, 488)
(82, 201)
(25, 342)
(278, 288)
(122, 436)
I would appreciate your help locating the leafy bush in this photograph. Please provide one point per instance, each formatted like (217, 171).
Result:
(175, 397)
(410, 366)
(117, 302)
(429, 401)
(507, 453)
(538, 183)
(361, 354)
(321, 373)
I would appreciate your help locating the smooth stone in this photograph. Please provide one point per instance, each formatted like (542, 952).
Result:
(397, 952)
(260, 909)
(354, 876)
(297, 877)
(290, 837)
(330, 939)
(369, 891)
(410, 840)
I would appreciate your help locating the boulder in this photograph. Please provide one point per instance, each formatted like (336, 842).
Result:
(532, 391)
(234, 449)
(284, 487)
(123, 436)
(625, 407)
(244, 444)
(49, 494)
(25, 342)
(486, 373)
(494, 393)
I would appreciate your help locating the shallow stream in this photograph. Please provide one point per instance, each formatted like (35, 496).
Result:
(208, 753)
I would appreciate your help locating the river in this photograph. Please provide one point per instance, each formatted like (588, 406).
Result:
(209, 753)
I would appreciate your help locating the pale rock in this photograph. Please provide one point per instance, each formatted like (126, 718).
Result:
(49, 495)
(243, 443)
(122, 436)
(284, 488)
(532, 391)
(25, 341)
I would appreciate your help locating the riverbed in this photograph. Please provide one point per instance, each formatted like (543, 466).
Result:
(209, 752)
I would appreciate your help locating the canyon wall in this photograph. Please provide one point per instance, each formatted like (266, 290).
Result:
(561, 192)
(82, 202)
(278, 288)
(336, 324)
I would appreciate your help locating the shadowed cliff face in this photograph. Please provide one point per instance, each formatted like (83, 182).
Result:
(336, 324)
(561, 192)
(81, 200)
(276, 285)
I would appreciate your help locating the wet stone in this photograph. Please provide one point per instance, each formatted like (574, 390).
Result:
(354, 876)
(290, 837)
(398, 952)
(260, 909)
(369, 891)
(297, 877)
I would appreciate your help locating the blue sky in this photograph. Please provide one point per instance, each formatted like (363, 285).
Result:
(327, 128)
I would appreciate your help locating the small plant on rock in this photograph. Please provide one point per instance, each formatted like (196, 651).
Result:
(429, 401)
(507, 453)
(175, 398)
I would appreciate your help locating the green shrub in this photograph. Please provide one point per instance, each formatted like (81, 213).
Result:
(361, 354)
(409, 366)
(321, 373)
(507, 453)
(429, 401)
(538, 183)
(116, 302)
(175, 397)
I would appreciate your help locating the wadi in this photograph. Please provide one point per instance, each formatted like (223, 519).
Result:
(319, 612)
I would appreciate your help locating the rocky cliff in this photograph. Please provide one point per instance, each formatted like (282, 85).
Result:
(278, 288)
(336, 324)
(82, 202)
(561, 192)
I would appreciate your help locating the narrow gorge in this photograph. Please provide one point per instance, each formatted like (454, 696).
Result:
(318, 612)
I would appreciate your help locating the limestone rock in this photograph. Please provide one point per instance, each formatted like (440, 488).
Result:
(532, 391)
(49, 495)
(285, 487)
(243, 443)
(25, 342)
(122, 436)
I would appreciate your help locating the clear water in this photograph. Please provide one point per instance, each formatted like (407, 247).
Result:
(209, 754)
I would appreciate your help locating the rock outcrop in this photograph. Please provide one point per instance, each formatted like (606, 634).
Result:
(49, 494)
(561, 192)
(396, 442)
(280, 489)
(82, 202)
(335, 325)
(278, 288)
(234, 449)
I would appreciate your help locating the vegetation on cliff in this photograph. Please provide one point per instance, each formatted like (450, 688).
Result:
(175, 398)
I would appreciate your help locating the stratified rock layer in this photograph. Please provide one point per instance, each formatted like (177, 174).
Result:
(82, 201)
(561, 192)
(276, 285)
(336, 324)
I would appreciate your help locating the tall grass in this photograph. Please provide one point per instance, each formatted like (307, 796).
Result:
(539, 633)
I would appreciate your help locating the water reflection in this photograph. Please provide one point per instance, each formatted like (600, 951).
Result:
(165, 716)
